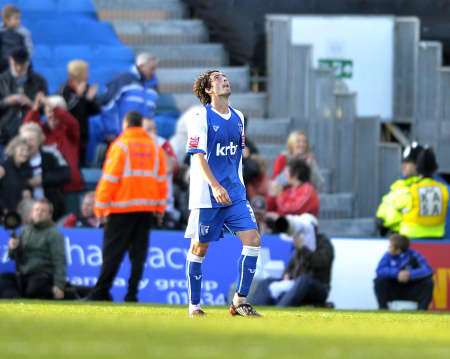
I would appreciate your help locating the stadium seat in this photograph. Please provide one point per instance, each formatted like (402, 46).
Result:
(43, 56)
(38, 6)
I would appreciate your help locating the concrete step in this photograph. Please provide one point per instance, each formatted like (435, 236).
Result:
(250, 103)
(161, 32)
(336, 205)
(140, 9)
(180, 80)
(188, 55)
(269, 130)
(348, 228)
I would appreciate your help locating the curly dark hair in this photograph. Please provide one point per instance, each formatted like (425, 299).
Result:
(203, 82)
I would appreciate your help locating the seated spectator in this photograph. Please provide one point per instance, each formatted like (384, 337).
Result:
(86, 216)
(15, 173)
(135, 90)
(306, 280)
(39, 252)
(81, 100)
(416, 206)
(60, 129)
(50, 169)
(12, 35)
(254, 175)
(299, 196)
(18, 88)
(403, 274)
(297, 147)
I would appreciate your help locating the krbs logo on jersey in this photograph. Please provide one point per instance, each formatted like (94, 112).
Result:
(231, 149)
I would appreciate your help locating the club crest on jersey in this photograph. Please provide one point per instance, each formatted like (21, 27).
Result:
(216, 128)
(204, 230)
(193, 142)
(231, 149)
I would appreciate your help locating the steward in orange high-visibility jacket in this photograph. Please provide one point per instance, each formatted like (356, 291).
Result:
(134, 176)
(130, 196)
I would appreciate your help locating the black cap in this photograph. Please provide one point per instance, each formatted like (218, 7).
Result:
(20, 55)
(412, 152)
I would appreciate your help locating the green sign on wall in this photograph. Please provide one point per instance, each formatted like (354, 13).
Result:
(343, 68)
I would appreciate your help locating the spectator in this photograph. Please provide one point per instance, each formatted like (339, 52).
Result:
(297, 147)
(39, 252)
(299, 196)
(416, 206)
(15, 173)
(254, 174)
(50, 170)
(180, 137)
(81, 100)
(86, 216)
(172, 215)
(12, 35)
(135, 90)
(307, 278)
(403, 274)
(60, 129)
(18, 89)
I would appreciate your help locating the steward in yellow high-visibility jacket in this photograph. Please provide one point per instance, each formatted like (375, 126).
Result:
(416, 207)
(130, 195)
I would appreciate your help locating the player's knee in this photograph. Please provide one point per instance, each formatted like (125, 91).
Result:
(199, 249)
(252, 239)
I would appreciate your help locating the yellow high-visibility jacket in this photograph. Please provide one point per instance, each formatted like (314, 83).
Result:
(415, 207)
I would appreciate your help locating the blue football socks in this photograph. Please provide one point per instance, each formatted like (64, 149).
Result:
(194, 277)
(246, 269)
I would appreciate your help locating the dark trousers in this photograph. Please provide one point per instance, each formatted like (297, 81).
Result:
(123, 232)
(9, 288)
(420, 291)
(36, 286)
(306, 291)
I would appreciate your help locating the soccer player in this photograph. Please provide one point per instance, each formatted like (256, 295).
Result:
(217, 197)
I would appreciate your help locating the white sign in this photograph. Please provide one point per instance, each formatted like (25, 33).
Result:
(361, 49)
(355, 262)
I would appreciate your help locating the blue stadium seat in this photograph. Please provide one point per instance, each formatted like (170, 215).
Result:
(85, 7)
(66, 53)
(43, 56)
(38, 5)
(74, 31)
(103, 74)
(55, 77)
(112, 54)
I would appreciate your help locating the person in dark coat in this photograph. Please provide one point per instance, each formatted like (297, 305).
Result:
(50, 169)
(15, 172)
(81, 100)
(19, 86)
(307, 278)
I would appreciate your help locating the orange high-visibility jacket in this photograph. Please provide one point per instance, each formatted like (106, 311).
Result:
(134, 176)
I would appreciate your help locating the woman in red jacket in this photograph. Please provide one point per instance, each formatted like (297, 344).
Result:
(297, 146)
(300, 195)
(60, 129)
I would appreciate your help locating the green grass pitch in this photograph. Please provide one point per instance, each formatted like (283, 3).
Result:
(85, 330)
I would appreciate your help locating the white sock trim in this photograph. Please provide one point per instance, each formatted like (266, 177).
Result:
(250, 251)
(194, 258)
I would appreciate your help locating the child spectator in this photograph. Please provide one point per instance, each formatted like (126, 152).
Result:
(12, 35)
(299, 196)
(15, 172)
(297, 147)
(86, 216)
(403, 274)
(81, 100)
